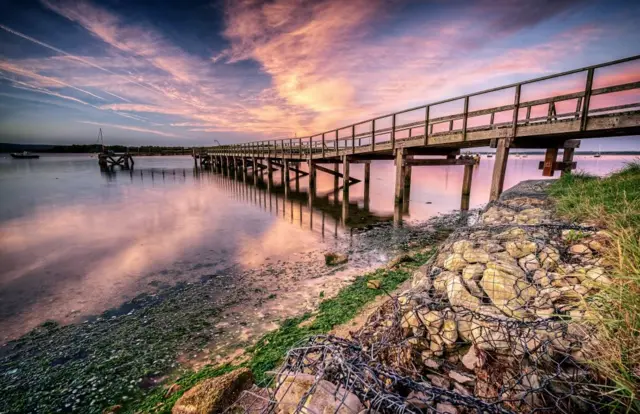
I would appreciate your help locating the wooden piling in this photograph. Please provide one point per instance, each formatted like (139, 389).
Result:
(345, 189)
(499, 169)
(312, 174)
(466, 187)
(549, 162)
(400, 170)
(567, 160)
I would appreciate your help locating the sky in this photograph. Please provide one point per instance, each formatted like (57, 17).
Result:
(193, 72)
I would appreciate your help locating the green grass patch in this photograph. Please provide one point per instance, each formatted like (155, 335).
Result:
(613, 203)
(269, 350)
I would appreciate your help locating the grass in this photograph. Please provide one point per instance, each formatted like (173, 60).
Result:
(613, 203)
(269, 350)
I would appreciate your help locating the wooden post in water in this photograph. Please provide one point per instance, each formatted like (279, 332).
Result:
(406, 187)
(345, 189)
(466, 187)
(549, 162)
(367, 181)
(312, 174)
(400, 169)
(499, 169)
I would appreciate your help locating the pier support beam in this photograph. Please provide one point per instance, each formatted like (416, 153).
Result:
(466, 187)
(345, 189)
(499, 169)
(567, 160)
(549, 162)
(367, 180)
(406, 187)
(400, 171)
(312, 174)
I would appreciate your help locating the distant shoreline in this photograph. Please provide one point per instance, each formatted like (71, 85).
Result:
(162, 150)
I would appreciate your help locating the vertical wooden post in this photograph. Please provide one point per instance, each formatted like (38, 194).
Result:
(353, 139)
(587, 99)
(367, 180)
(345, 189)
(373, 135)
(499, 169)
(466, 187)
(549, 162)
(393, 132)
(400, 164)
(426, 125)
(406, 187)
(255, 170)
(269, 172)
(312, 174)
(567, 159)
(516, 108)
(323, 145)
(465, 117)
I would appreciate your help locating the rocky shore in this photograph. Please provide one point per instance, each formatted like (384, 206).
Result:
(497, 322)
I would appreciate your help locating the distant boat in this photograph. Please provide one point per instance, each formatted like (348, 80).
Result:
(489, 155)
(598, 154)
(24, 154)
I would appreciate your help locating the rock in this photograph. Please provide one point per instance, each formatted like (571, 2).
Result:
(529, 263)
(493, 247)
(507, 292)
(473, 272)
(432, 320)
(579, 249)
(398, 260)
(520, 248)
(541, 278)
(461, 245)
(446, 408)
(549, 257)
(334, 259)
(455, 262)
(214, 395)
(460, 377)
(514, 233)
(421, 278)
(458, 294)
(324, 398)
(474, 358)
(595, 245)
(417, 400)
(449, 333)
(440, 282)
(113, 409)
(430, 363)
(475, 256)
(373, 284)
(439, 381)
(410, 320)
(460, 389)
(506, 267)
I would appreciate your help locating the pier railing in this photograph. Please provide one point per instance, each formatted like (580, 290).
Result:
(434, 119)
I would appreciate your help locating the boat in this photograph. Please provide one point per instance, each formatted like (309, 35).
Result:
(24, 154)
(598, 154)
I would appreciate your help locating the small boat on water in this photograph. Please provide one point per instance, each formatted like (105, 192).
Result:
(598, 154)
(24, 154)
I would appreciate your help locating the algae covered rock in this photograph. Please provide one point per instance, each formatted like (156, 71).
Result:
(334, 259)
(214, 395)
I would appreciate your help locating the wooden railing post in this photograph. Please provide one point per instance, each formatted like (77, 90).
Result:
(516, 109)
(323, 145)
(373, 135)
(426, 125)
(353, 139)
(393, 132)
(464, 118)
(587, 99)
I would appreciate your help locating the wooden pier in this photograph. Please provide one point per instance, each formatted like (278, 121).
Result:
(108, 160)
(438, 130)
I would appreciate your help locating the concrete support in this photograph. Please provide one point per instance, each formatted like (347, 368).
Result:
(466, 187)
(549, 162)
(499, 169)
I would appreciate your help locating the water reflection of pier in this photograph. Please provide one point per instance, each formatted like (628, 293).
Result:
(286, 197)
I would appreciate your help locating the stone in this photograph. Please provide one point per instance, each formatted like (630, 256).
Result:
(432, 320)
(439, 381)
(507, 292)
(520, 248)
(455, 262)
(421, 278)
(579, 249)
(446, 408)
(473, 272)
(440, 282)
(474, 358)
(325, 398)
(449, 333)
(506, 267)
(398, 260)
(475, 256)
(334, 259)
(410, 320)
(529, 263)
(373, 284)
(417, 400)
(514, 233)
(458, 294)
(460, 377)
(460, 389)
(214, 395)
(430, 363)
(461, 245)
(549, 257)
(595, 245)
(541, 278)
(493, 247)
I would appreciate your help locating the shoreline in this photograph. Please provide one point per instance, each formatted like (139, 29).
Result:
(181, 328)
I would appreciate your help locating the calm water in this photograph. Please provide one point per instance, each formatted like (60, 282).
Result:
(75, 241)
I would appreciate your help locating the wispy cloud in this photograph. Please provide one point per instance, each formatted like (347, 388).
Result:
(131, 128)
